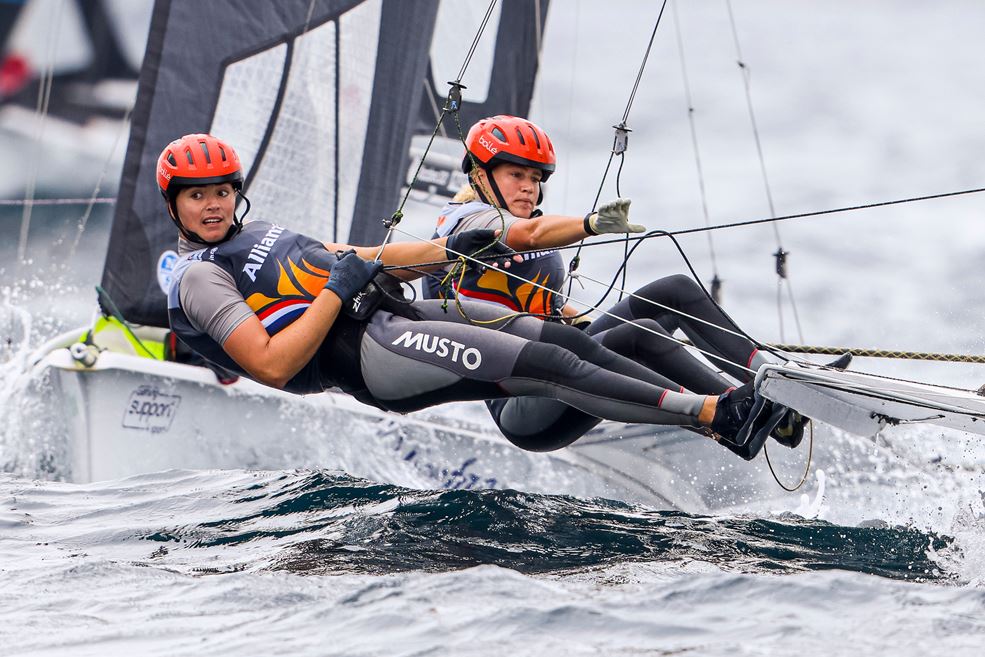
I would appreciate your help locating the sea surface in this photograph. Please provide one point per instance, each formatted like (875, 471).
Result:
(881, 552)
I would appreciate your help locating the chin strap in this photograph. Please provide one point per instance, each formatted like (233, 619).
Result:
(192, 236)
(500, 201)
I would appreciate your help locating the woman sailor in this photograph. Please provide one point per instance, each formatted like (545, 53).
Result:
(278, 307)
(508, 159)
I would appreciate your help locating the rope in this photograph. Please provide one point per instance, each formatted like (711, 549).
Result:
(879, 353)
(107, 305)
(807, 465)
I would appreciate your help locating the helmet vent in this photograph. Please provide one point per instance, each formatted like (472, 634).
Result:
(188, 154)
(222, 152)
(523, 142)
(536, 138)
(499, 134)
(205, 151)
(171, 160)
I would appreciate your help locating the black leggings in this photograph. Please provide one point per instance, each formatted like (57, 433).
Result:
(543, 425)
(678, 293)
(409, 364)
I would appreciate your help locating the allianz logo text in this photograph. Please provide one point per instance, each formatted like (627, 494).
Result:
(441, 347)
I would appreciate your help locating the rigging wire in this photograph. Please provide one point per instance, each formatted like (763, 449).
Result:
(475, 41)
(799, 215)
(672, 235)
(569, 106)
(535, 284)
(781, 254)
(452, 105)
(716, 281)
(44, 98)
(100, 200)
(620, 140)
(84, 220)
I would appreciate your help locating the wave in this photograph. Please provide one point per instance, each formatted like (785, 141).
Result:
(321, 523)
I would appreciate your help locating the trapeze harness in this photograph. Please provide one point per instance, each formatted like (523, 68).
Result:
(279, 273)
(545, 268)
(425, 355)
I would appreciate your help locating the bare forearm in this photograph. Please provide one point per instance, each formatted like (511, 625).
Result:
(398, 254)
(545, 232)
(276, 359)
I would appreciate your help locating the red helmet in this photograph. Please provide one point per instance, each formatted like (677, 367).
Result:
(197, 160)
(503, 138)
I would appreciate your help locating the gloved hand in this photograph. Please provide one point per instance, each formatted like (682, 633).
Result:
(613, 217)
(351, 274)
(581, 323)
(471, 242)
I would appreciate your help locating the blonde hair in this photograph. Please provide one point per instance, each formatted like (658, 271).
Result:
(466, 194)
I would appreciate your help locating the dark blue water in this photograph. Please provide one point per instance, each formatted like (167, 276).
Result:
(332, 523)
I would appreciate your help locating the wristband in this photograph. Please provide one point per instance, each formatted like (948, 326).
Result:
(587, 225)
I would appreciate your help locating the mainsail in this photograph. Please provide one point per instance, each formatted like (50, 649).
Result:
(315, 94)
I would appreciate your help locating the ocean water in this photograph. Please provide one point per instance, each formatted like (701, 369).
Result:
(882, 550)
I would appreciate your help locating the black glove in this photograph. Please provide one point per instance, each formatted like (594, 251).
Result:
(471, 242)
(351, 274)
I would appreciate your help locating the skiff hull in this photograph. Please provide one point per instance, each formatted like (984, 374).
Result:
(124, 415)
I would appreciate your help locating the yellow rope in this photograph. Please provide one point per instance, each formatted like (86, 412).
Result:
(868, 353)
(878, 353)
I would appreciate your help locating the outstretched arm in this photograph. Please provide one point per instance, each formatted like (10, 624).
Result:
(399, 253)
(547, 231)
(411, 254)
(550, 231)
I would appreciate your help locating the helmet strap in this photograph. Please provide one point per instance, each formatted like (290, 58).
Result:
(500, 201)
(192, 236)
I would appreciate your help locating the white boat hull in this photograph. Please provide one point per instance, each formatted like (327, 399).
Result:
(126, 415)
(864, 404)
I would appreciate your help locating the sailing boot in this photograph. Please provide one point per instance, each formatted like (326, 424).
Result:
(743, 420)
(789, 430)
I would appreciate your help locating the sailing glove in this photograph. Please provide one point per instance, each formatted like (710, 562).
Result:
(479, 242)
(351, 274)
(613, 217)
